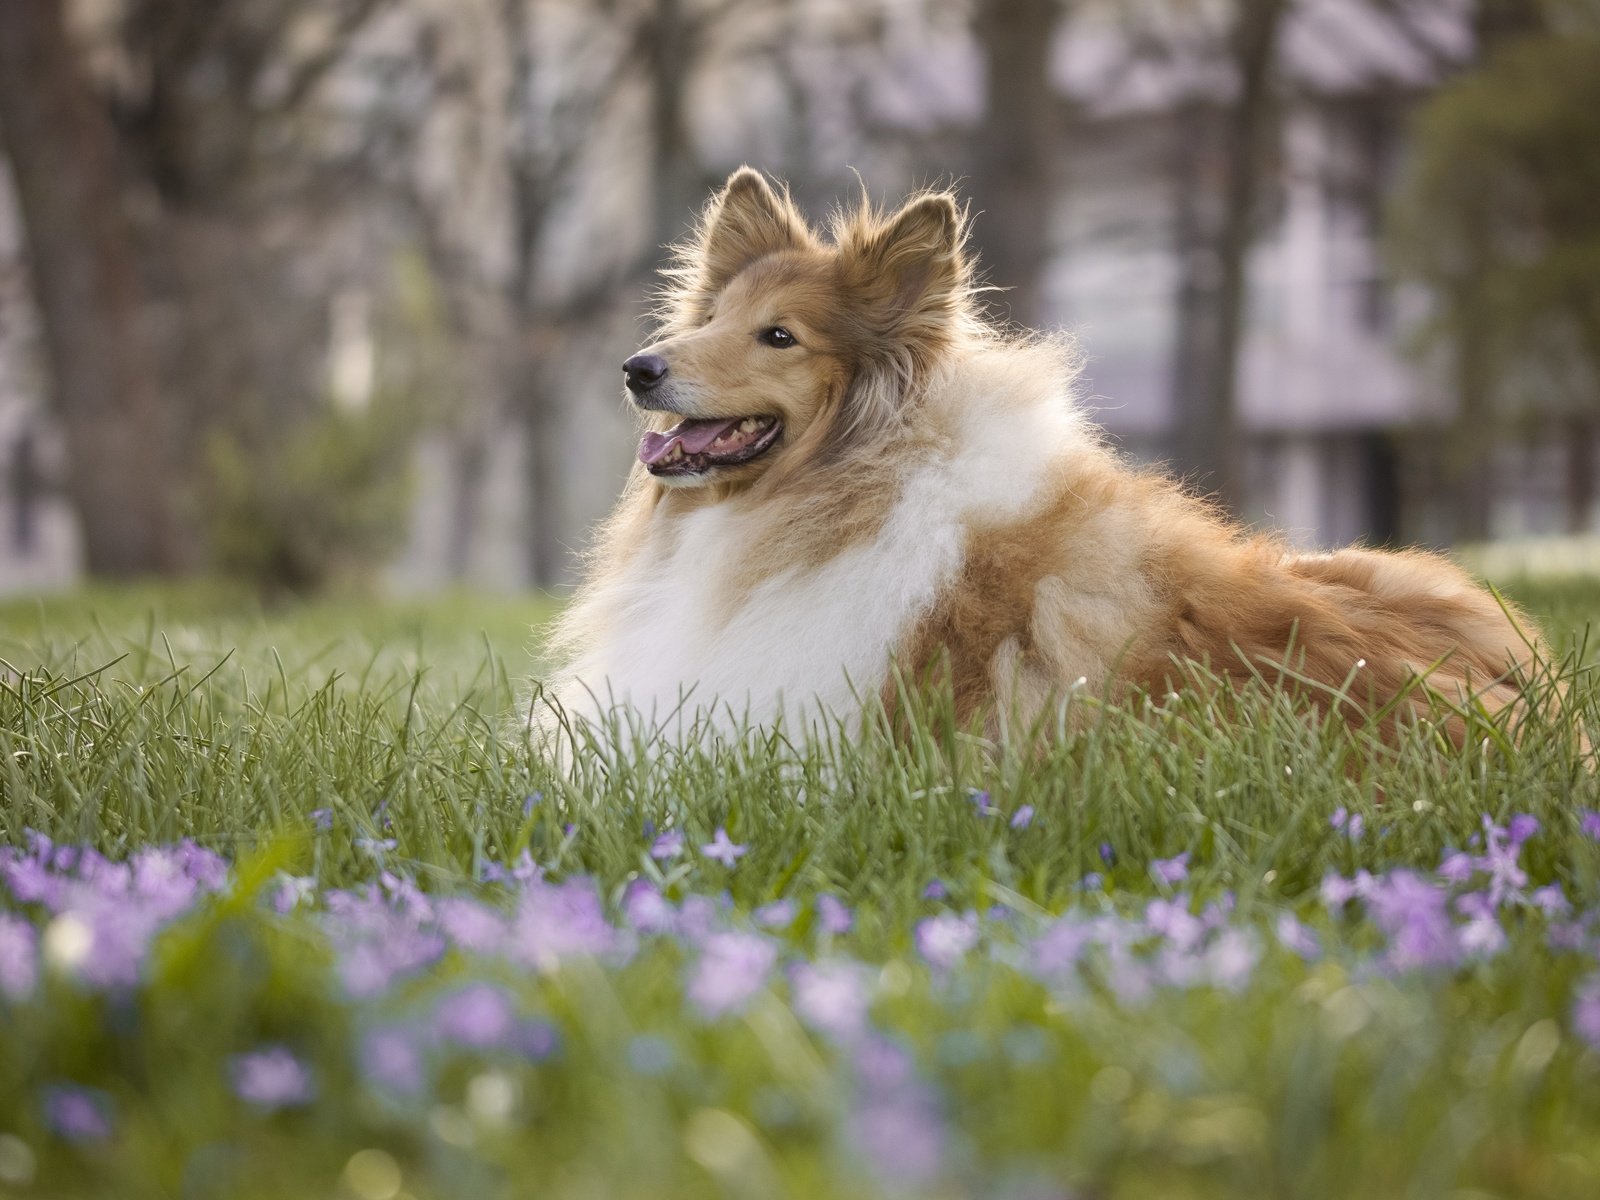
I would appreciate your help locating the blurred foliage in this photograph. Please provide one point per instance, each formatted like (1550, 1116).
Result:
(1499, 216)
(324, 502)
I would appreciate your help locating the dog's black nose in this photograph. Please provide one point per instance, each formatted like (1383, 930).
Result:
(644, 371)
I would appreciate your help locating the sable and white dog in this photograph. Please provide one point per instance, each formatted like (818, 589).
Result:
(847, 474)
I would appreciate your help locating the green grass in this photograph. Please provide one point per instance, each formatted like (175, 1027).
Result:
(135, 718)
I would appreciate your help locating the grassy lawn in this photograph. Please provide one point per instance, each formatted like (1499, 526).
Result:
(289, 909)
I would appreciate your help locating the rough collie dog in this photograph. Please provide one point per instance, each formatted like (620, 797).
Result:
(848, 478)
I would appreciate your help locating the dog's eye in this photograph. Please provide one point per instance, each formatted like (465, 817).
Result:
(777, 337)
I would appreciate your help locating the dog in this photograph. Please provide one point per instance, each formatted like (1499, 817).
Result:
(849, 478)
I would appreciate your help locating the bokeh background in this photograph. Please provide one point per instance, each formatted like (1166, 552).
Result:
(321, 293)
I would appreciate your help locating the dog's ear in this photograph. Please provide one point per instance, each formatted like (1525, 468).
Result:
(745, 221)
(910, 271)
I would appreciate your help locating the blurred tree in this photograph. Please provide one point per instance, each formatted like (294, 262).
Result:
(1500, 220)
(1015, 147)
(1221, 160)
(61, 148)
(186, 137)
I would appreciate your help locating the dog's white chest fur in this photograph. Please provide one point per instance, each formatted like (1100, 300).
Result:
(812, 639)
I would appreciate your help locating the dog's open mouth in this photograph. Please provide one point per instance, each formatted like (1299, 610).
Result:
(696, 445)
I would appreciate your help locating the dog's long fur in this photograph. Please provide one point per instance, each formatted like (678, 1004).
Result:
(938, 505)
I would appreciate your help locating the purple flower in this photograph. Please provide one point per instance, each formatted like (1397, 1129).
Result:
(646, 909)
(668, 845)
(291, 891)
(270, 1079)
(1458, 867)
(1297, 938)
(376, 848)
(901, 1138)
(1550, 900)
(722, 848)
(935, 890)
(980, 801)
(1108, 854)
(1172, 920)
(780, 914)
(1352, 824)
(523, 871)
(944, 940)
(831, 996)
(1589, 824)
(77, 1114)
(478, 1017)
(530, 802)
(322, 819)
(470, 924)
(1171, 870)
(832, 915)
(1586, 1011)
(733, 967)
(1522, 827)
(1023, 817)
(565, 920)
(391, 1060)
(19, 958)
(1413, 914)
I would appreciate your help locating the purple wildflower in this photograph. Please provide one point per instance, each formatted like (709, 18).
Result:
(901, 1138)
(1586, 1011)
(980, 801)
(669, 845)
(1550, 900)
(1171, 870)
(1522, 827)
(935, 890)
(722, 848)
(1413, 915)
(291, 891)
(1351, 824)
(646, 909)
(77, 1114)
(1589, 824)
(470, 924)
(557, 921)
(1023, 817)
(1296, 937)
(780, 914)
(530, 802)
(375, 848)
(391, 1059)
(832, 915)
(19, 958)
(270, 1079)
(944, 940)
(1172, 920)
(322, 819)
(1108, 854)
(733, 967)
(831, 996)
(1457, 867)
(521, 872)
(478, 1017)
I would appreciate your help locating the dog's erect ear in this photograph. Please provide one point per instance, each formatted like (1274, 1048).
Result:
(910, 269)
(745, 221)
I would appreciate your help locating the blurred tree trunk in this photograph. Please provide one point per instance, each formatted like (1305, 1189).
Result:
(1214, 243)
(62, 155)
(1013, 150)
(668, 39)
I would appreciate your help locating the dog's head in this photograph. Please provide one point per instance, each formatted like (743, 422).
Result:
(779, 348)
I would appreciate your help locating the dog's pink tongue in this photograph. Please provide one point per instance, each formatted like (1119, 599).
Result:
(693, 435)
